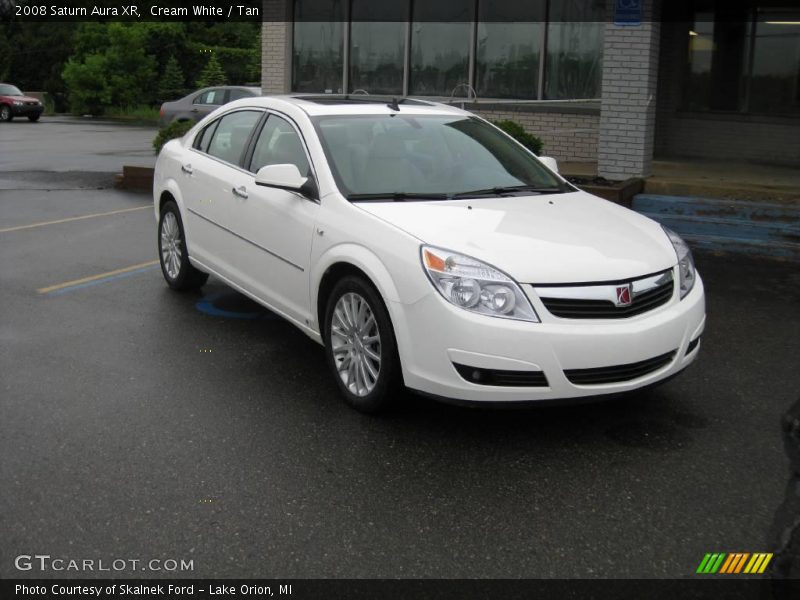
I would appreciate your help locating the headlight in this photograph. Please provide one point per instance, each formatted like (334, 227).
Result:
(476, 286)
(18, 103)
(688, 275)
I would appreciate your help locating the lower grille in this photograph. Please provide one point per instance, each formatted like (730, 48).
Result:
(502, 378)
(618, 373)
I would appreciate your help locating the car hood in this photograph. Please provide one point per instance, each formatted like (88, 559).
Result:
(554, 238)
(19, 98)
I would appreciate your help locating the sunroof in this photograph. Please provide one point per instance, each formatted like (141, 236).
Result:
(359, 99)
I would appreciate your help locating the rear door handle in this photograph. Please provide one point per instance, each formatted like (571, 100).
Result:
(240, 191)
(187, 169)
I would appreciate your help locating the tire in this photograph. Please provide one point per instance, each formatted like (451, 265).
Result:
(33, 118)
(178, 272)
(372, 385)
(5, 113)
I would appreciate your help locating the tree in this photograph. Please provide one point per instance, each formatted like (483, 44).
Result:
(119, 74)
(172, 81)
(212, 74)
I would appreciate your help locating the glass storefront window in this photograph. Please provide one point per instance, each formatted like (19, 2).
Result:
(574, 66)
(508, 48)
(775, 79)
(743, 61)
(377, 48)
(494, 45)
(701, 50)
(440, 38)
(317, 56)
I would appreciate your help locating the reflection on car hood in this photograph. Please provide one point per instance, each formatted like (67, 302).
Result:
(19, 98)
(556, 238)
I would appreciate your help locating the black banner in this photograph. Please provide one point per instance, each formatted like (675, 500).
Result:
(733, 587)
(622, 12)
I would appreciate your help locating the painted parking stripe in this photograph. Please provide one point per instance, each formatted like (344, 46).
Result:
(84, 282)
(69, 219)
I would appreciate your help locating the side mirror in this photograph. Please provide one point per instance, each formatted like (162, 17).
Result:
(549, 162)
(283, 177)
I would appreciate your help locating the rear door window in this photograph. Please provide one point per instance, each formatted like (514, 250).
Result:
(202, 141)
(214, 97)
(232, 134)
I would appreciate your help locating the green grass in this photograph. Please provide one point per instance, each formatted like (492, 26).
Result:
(138, 114)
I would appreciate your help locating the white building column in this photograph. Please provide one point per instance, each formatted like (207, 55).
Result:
(276, 47)
(628, 108)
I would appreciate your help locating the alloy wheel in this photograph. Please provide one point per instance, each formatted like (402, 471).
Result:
(171, 245)
(356, 344)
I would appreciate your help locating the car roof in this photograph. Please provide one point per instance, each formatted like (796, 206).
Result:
(330, 104)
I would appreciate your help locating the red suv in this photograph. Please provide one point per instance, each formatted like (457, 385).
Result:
(14, 103)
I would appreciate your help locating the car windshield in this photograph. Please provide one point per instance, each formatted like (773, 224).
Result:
(9, 90)
(400, 157)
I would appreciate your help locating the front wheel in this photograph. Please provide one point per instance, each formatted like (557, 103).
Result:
(33, 118)
(175, 266)
(360, 346)
(5, 113)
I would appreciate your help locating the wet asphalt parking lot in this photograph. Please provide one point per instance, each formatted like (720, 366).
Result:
(138, 423)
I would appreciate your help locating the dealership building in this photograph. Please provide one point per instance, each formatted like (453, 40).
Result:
(618, 82)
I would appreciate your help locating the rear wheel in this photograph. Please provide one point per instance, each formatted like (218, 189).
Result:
(5, 113)
(178, 272)
(360, 346)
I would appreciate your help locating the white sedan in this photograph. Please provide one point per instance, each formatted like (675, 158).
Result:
(424, 247)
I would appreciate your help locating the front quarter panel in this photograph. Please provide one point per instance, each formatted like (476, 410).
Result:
(386, 254)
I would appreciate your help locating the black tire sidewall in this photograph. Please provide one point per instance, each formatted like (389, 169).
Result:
(390, 378)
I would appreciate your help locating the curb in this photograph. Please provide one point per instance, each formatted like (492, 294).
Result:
(135, 179)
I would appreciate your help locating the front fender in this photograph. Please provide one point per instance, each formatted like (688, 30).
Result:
(389, 287)
(360, 257)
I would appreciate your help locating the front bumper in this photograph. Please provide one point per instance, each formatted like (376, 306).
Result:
(26, 110)
(434, 335)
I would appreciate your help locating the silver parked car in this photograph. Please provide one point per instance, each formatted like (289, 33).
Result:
(199, 103)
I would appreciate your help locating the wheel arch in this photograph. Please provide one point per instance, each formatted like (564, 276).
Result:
(351, 259)
(165, 191)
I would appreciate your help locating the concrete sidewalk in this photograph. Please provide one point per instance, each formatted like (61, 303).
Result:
(712, 179)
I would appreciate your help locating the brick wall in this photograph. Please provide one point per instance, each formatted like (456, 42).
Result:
(754, 138)
(628, 106)
(567, 136)
(276, 38)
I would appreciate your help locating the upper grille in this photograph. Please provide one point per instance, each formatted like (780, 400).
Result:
(585, 308)
(619, 372)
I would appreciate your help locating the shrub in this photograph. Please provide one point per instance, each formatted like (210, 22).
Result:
(176, 129)
(515, 130)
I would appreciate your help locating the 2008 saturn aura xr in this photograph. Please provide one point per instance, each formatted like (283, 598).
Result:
(424, 247)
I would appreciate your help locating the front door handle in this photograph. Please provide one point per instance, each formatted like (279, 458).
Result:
(241, 191)
(187, 169)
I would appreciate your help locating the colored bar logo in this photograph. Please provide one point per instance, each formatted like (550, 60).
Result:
(734, 563)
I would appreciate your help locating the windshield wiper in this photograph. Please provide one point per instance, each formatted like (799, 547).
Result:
(500, 190)
(398, 196)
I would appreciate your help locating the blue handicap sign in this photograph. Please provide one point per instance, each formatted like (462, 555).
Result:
(628, 12)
